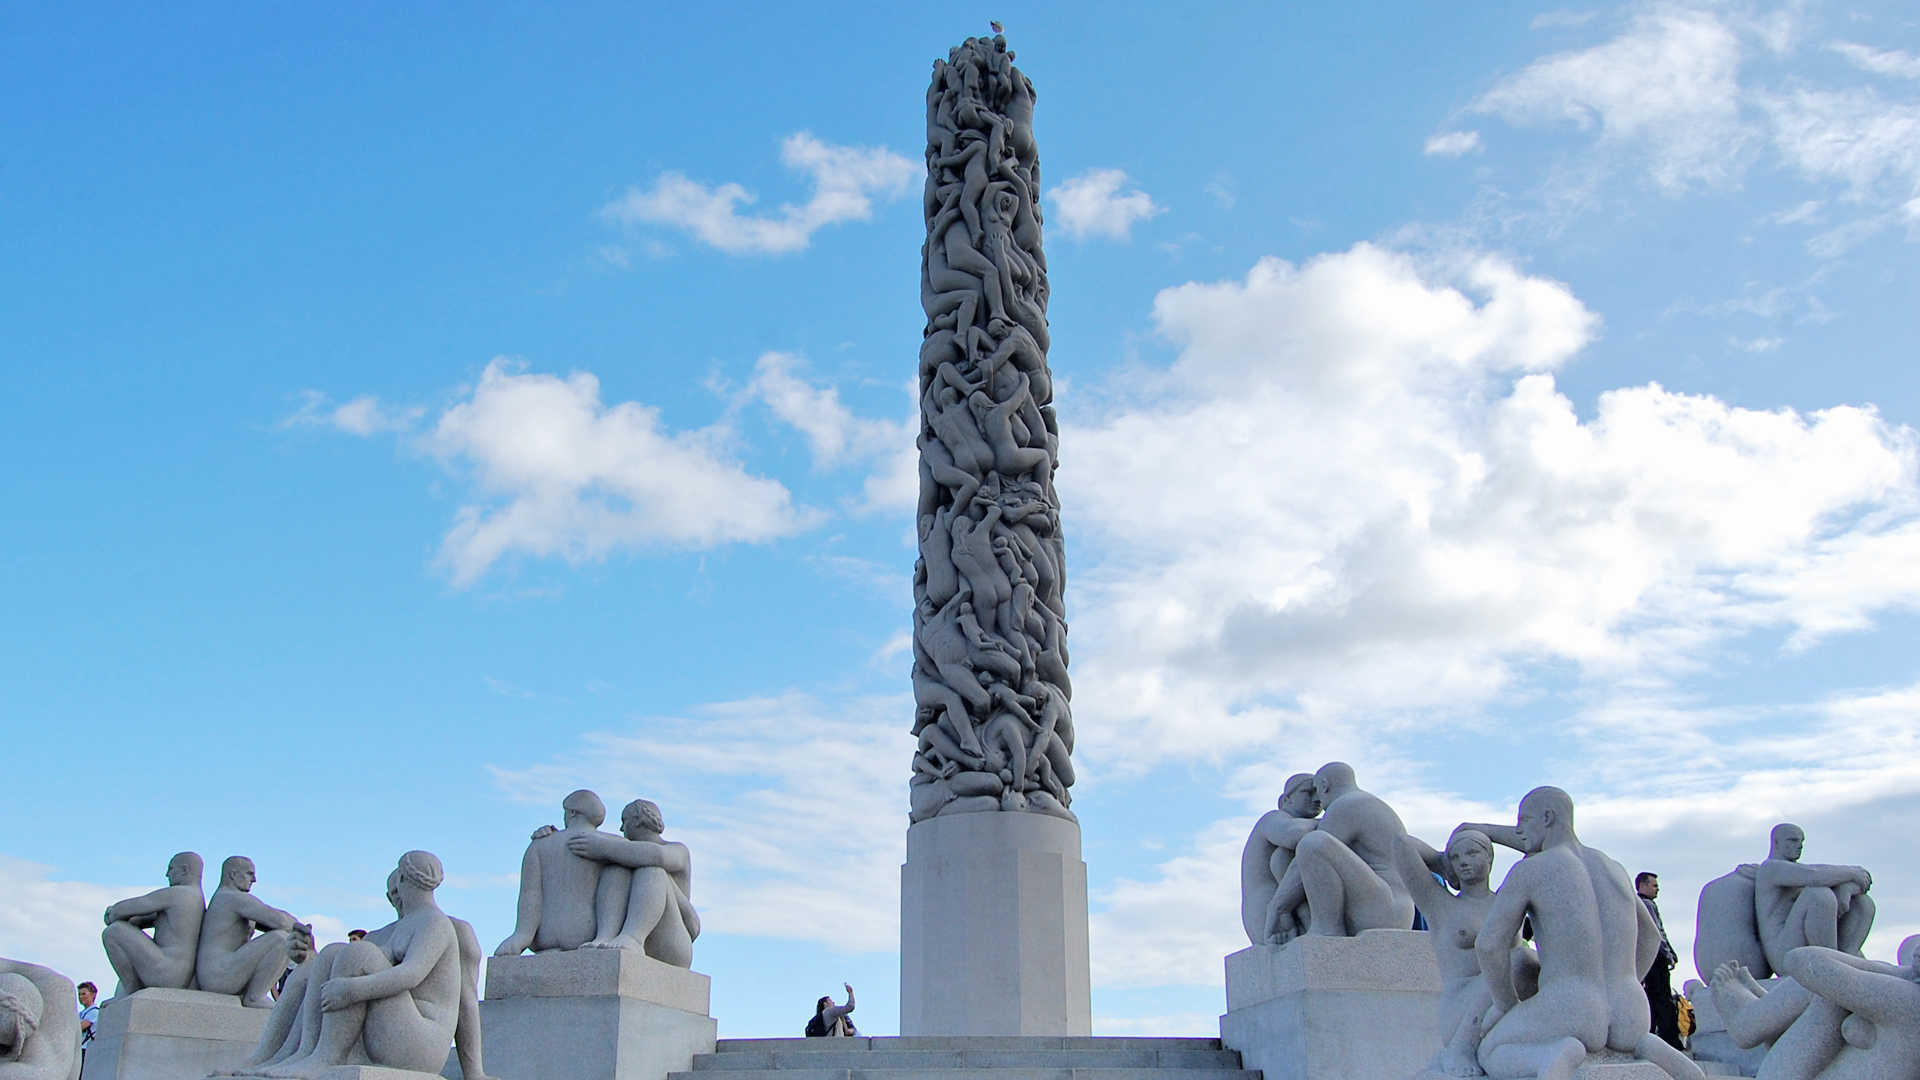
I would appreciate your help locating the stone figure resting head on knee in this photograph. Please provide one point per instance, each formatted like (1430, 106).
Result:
(173, 914)
(39, 1032)
(230, 959)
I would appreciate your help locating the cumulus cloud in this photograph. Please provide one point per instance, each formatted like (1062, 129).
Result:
(1099, 203)
(847, 180)
(835, 436)
(558, 472)
(363, 416)
(1452, 144)
(1369, 497)
(1890, 62)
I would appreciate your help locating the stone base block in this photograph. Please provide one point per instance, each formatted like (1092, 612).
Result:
(993, 927)
(172, 1035)
(363, 1073)
(1318, 1008)
(593, 1014)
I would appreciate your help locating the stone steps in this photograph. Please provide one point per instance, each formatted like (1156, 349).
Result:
(995, 1057)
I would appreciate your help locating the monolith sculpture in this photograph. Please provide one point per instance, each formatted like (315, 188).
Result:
(993, 893)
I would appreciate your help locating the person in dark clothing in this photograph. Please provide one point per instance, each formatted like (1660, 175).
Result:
(1659, 980)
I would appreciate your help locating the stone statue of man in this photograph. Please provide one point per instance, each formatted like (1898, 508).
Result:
(39, 1030)
(558, 885)
(231, 960)
(173, 914)
(1345, 870)
(1798, 903)
(1595, 939)
(1269, 851)
(644, 900)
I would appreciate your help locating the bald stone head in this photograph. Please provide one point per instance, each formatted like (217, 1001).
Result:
(1787, 841)
(237, 873)
(1334, 778)
(1546, 819)
(584, 805)
(185, 868)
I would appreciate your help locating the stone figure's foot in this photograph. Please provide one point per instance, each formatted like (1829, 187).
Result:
(260, 1001)
(600, 943)
(1458, 1061)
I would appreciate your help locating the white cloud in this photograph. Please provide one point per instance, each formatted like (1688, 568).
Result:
(836, 437)
(1453, 144)
(1668, 86)
(1893, 62)
(362, 416)
(558, 472)
(1756, 345)
(795, 808)
(1551, 20)
(846, 182)
(1369, 497)
(1853, 136)
(1094, 204)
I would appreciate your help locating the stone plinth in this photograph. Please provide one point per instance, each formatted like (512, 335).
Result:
(993, 927)
(592, 1014)
(1710, 1041)
(361, 1073)
(160, 1034)
(1322, 1008)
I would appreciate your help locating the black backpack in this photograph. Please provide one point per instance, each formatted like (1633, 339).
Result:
(816, 1028)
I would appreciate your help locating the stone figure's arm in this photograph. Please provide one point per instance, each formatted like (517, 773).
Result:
(263, 914)
(635, 853)
(1781, 874)
(1504, 835)
(1880, 992)
(426, 950)
(141, 910)
(1415, 860)
(1498, 934)
(526, 917)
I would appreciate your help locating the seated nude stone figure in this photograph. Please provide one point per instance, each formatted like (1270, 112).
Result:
(1345, 870)
(173, 914)
(230, 959)
(1595, 941)
(1454, 922)
(644, 898)
(396, 1001)
(1798, 903)
(1269, 851)
(557, 885)
(39, 1031)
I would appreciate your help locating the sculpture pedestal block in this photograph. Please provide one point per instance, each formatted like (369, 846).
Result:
(361, 1072)
(993, 927)
(593, 1014)
(172, 1035)
(1322, 1008)
(1710, 1041)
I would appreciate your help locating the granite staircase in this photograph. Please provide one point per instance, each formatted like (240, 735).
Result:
(972, 1057)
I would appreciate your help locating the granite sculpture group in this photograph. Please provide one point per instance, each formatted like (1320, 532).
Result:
(1572, 997)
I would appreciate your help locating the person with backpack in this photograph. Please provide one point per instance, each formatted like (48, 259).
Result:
(830, 1019)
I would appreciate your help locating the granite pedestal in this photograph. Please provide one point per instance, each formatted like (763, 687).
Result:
(593, 1014)
(160, 1034)
(993, 927)
(1325, 1008)
(1710, 1041)
(363, 1072)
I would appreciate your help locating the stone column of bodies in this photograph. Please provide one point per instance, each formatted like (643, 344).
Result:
(990, 660)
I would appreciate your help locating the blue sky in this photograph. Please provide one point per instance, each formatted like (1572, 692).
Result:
(409, 423)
